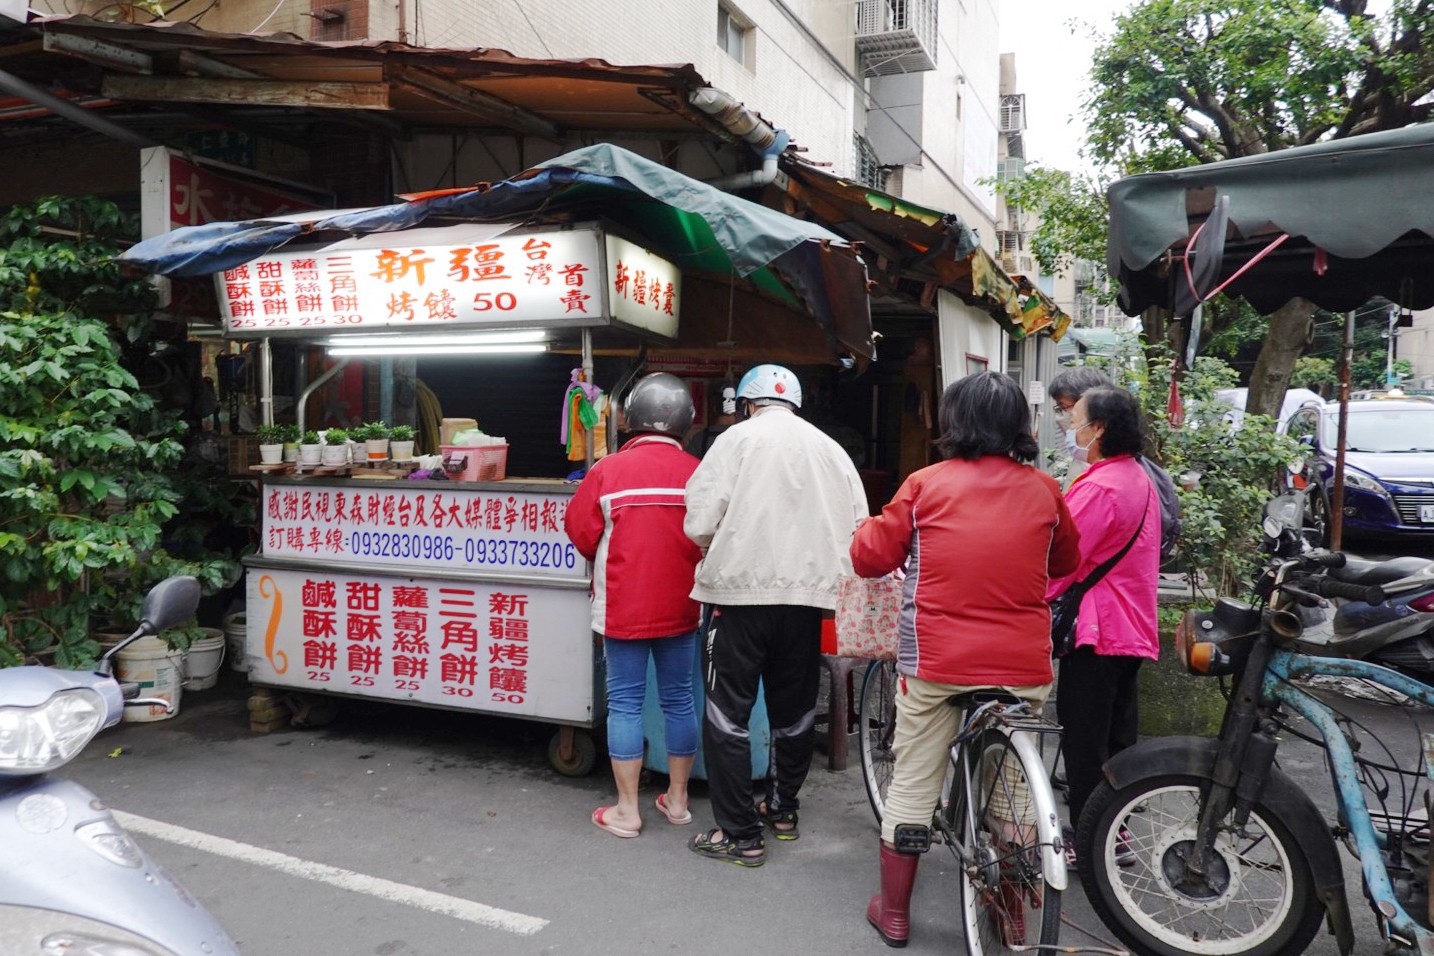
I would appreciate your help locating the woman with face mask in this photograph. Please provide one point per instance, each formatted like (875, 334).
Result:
(1113, 504)
(1065, 390)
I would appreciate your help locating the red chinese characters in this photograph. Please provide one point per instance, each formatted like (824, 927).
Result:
(508, 647)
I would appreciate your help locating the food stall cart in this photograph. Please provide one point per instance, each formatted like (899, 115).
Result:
(455, 594)
(468, 595)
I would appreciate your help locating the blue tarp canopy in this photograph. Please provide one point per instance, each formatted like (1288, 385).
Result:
(788, 262)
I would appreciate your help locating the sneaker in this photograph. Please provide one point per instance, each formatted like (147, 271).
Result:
(1124, 852)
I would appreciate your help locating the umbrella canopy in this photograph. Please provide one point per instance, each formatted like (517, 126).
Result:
(1359, 214)
(704, 230)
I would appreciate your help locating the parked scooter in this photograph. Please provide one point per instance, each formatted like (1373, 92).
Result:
(72, 881)
(1397, 632)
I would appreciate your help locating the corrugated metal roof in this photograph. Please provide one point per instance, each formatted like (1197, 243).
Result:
(180, 63)
(905, 244)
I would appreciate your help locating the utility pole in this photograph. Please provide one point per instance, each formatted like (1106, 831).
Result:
(1391, 318)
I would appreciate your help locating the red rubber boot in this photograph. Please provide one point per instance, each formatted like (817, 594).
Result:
(890, 910)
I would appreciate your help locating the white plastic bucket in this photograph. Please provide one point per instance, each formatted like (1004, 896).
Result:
(204, 659)
(159, 672)
(236, 628)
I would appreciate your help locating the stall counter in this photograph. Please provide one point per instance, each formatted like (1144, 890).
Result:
(460, 595)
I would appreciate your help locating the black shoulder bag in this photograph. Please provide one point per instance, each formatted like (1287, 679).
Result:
(1065, 608)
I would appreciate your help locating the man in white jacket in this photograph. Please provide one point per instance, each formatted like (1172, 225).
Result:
(773, 506)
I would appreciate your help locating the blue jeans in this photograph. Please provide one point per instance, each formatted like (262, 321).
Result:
(627, 686)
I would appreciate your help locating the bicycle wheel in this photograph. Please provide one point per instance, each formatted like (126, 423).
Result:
(876, 716)
(1007, 906)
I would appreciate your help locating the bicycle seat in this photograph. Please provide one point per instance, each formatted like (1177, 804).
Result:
(975, 698)
(1357, 571)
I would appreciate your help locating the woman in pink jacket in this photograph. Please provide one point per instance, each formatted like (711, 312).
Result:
(1097, 694)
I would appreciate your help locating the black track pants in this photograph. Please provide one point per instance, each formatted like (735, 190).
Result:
(1097, 703)
(781, 645)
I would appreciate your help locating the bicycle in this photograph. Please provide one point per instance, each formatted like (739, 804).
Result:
(997, 813)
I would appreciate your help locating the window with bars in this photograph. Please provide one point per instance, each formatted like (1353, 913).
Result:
(1013, 112)
(867, 168)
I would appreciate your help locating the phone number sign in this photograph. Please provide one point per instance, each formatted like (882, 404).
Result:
(548, 278)
(508, 532)
(505, 649)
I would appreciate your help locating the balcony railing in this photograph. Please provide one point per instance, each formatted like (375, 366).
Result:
(896, 36)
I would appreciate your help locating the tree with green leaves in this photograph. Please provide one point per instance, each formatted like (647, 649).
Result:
(86, 457)
(1181, 82)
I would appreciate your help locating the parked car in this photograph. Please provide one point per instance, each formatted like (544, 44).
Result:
(1389, 463)
(1295, 399)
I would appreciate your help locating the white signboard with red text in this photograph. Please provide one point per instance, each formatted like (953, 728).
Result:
(503, 648)
(421, 528)
(471, 277)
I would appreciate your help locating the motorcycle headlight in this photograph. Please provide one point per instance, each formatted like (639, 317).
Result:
(39, 739)
(1358, 479)
(26, 929)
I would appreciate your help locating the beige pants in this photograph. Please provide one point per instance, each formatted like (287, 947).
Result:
(925, 727)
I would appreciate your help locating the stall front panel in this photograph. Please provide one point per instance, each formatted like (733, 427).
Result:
(461, 595)
(503, 648)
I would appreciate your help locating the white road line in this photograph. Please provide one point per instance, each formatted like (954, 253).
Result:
(344, 879)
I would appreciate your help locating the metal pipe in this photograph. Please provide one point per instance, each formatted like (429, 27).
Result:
(15, 86)
(588, 377)
(266, 382)
(738, 120)
(314, 386)
(748, 180)
(741, 122)
(1336, 505)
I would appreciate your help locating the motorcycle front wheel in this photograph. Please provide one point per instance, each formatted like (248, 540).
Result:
(1257, 897)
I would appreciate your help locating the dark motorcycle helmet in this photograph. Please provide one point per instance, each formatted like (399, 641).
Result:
(659, 403)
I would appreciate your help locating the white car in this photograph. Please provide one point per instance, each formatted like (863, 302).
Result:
(1295, 399)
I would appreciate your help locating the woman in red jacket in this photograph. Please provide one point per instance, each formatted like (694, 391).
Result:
(626, 518)
(981, 535)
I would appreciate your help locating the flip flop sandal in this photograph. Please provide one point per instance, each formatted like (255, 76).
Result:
(727, 849)
(612, 828)
(672, 818)
(788, 819)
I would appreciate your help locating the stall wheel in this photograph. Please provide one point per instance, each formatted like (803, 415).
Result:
(572, 752)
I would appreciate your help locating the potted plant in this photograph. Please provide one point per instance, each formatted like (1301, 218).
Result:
(289, 434)
(271, 444)
(374, 435)
(400, 439)
(336, 447)
(310, 451)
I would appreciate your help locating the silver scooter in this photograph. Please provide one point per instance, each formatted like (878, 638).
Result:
(72, 881)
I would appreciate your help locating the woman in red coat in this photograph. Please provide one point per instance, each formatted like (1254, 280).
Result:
(626, 518)
(981, 535)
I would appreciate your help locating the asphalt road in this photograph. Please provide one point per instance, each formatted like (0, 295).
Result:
(454, 810)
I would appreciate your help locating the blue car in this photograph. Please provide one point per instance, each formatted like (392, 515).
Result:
(1389, 463)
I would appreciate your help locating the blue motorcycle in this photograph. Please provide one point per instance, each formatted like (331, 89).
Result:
(1197, 845)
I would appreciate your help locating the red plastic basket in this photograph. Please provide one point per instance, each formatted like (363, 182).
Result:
(478, 462)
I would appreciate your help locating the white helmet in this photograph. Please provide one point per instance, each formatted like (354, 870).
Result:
(766, 382)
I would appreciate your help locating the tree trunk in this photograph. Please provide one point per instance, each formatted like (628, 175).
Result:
(1285, 341)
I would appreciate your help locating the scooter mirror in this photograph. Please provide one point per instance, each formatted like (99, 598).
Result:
(170, 602)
